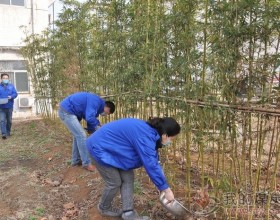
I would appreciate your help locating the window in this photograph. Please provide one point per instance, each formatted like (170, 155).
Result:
(18, 74)
(17, 2)
(5, 2)
(12, 2)
(20, 81)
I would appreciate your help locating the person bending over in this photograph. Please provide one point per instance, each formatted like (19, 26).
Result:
(121, 146)
(72, 110)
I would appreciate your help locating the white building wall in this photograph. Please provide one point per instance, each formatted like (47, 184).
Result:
(33, 16)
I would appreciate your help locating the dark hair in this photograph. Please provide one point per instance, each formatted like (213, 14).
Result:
(110, 105)
(4, 74)
(167, 125)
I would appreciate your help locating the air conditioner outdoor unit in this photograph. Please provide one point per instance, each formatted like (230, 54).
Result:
(25, 102)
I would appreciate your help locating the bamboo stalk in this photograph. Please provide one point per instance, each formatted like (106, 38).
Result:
(271, 149)
(204, 50)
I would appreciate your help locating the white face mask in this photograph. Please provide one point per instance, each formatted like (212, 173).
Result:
(167, 143)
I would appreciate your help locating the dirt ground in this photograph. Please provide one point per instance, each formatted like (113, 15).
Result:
(37, 181)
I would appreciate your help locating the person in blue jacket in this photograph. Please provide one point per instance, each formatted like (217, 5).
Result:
(74, 108)
(9, 93)
(121, 146)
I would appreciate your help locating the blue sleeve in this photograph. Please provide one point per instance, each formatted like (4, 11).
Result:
(91, 114)
(145, 148)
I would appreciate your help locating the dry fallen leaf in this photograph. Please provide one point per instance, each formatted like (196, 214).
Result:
(69, 205)
(71, 213)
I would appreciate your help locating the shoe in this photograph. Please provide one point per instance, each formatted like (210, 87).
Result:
(133, 215)
(4, 137)
(77, 164)
(90, 168)
(111, 212)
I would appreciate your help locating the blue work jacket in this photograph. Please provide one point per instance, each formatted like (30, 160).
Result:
(85, 106)
(128, 144)
(5, 91)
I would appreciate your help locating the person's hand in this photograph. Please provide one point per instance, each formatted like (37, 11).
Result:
(169, 195)
(89, 132)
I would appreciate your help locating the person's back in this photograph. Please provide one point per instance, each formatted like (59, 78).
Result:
(74, 108)
(119, 147)
(124, 139)
(82, 102)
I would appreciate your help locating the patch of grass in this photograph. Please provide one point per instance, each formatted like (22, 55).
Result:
(24, 155)
(32, 125)
(58, 155)
(3, 155)
(151, 203)
(40, 211)
(223, 183)
(138, 189)
(28, 140)
(45, 150)
(23, 170)
(144, 213)
(38, 214)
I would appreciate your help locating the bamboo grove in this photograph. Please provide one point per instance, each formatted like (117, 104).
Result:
(212, 64)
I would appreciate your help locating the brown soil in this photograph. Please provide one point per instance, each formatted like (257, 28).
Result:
(38, 182)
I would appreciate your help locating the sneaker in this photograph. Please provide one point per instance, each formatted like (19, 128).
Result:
(111, 212)
(4, 137)
(133, 215)
(90, 168)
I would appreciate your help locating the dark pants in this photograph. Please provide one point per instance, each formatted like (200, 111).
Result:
(6, 120)
(116, 180)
